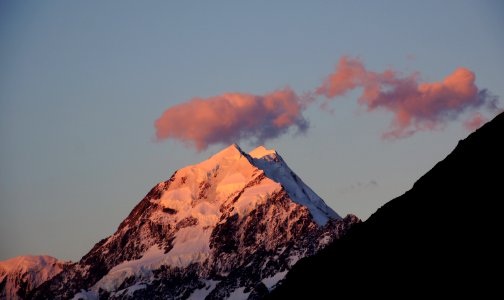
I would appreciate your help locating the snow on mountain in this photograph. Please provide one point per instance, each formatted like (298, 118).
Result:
(275, 168)
(21, 274)
(228, 227)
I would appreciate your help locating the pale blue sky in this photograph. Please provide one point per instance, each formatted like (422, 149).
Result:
(81, 84)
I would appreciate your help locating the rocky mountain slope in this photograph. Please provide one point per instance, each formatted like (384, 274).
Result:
(20, 275)
(230, 227)
(441, 238)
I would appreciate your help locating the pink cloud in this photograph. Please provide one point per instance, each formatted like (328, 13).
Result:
(415, 106)
(475, 122)
(230, 117)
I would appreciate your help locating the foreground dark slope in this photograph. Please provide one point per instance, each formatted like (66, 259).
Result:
(442, 236)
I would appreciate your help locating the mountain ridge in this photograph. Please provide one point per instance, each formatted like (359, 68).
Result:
(20, 275)
(229, 227)
(439, 238)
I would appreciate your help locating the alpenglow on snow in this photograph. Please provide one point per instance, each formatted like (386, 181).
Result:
(230, 227)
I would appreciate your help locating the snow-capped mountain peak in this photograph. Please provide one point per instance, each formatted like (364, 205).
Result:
(275, 168)
(228, 154)
(21, 274)
(232, 225)
(231, 169)
(261, 152)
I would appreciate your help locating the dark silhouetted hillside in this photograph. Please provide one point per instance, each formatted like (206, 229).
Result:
(441, 237)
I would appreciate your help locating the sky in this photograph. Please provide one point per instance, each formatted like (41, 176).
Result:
(89, 89)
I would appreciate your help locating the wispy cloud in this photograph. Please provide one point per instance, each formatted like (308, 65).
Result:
(416, 106)
(475, 122)
(358, 187)
(230, 117)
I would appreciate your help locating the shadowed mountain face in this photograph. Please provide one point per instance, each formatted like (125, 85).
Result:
(441, 237)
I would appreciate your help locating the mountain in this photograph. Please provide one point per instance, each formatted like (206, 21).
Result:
(441, 238)
(230, 227)
(20, 275)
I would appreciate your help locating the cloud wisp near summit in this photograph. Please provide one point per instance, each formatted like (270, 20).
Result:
(414, 105)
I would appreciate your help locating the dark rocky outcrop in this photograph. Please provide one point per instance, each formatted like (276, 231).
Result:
(441, 238)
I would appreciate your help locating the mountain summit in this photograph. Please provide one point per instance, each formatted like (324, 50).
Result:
(229, 227)
(21, 274)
